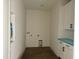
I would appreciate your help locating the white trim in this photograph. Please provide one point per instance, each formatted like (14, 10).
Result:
(9, 45)
(1, 29)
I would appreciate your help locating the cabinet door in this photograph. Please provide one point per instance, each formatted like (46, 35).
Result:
(69, 16)
(61, 52)
(68, 54)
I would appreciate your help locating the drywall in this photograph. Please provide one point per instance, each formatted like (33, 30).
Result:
(37, 22)
(5, 28)
(17, 47)
(54, 29)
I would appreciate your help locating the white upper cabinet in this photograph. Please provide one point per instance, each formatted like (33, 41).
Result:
(69, 16)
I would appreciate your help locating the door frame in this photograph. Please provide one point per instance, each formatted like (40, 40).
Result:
(9, 44)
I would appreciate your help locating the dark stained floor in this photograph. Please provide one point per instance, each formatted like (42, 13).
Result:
(39, 53)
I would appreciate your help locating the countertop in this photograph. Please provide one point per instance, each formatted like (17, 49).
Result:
(67, 40)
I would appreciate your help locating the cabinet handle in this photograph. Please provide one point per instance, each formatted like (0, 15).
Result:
(70, 25)
(63, 48)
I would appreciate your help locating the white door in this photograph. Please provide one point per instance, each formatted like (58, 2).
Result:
(6, 38)
(37, 28)
(32, 29)
(12, 34)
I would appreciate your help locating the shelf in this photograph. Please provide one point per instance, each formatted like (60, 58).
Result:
(69, 29)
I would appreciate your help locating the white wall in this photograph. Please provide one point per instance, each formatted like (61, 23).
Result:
(5, 28)
(17, 47)
(37, 22)
(54, 29)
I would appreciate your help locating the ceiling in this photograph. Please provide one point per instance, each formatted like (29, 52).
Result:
(40, 4)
